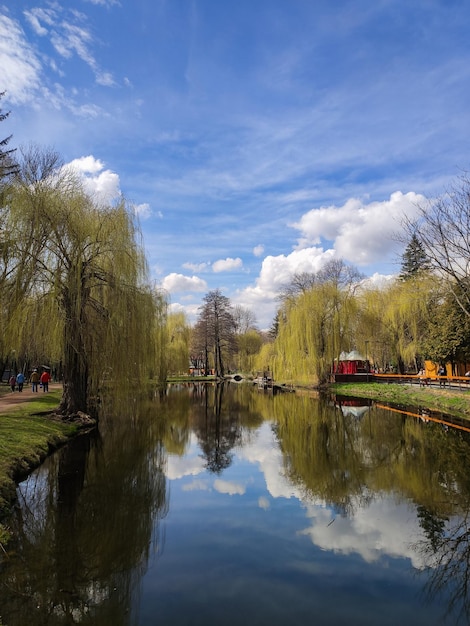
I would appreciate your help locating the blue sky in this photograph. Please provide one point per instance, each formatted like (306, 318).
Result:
(255, 138)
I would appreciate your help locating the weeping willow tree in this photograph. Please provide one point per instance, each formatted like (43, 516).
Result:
(408, 308)
(314, 328)
(178, 339)
(80, 288)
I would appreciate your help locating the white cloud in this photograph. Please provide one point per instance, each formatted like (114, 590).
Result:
(178, 282)
(87, 165)
(105, 3)
(178, 467)
(196, 267)
(68, 38)
(101, 184)
(360, 233)
(142, 210)
(196, 485)
(226, 265)
(33, 18)
(258, 250)
(231, 488)
(277, 271)
(105, 78)
(378, 281)
(190, 310)
(383, 527)
(21, 69)
(264, 503)
(268, 457)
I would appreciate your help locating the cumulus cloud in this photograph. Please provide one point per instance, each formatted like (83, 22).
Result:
(261, 452)
(87, 165)
(101, 184)
(276, 272)
(258, 250)
(377, 281)
(21, 68)
(226, 265)
(381, 528)
(178, 467)
(360, 233)
(178, 282)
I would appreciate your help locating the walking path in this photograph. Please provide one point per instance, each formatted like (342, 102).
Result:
(11, 400)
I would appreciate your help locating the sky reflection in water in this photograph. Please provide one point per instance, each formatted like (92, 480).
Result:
(228, 506)
(247, 547)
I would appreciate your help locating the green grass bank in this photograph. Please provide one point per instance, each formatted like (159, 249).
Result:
(453, 402)
(27, 436)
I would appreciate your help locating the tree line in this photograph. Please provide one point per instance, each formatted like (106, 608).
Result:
(421, 314)
(75, 290)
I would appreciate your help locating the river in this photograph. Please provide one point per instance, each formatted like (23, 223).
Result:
(223, 504)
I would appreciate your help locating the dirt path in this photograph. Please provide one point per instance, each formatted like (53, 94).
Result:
(11, 400)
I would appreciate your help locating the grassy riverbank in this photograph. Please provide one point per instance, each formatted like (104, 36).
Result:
(26, 438)
(453, 402)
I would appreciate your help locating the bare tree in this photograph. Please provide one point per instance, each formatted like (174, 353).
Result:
(245, 319)
(335, 271)
(443, 230)
(219, 324)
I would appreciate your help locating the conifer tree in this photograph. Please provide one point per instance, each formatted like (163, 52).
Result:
(414, 259)
(8, 165)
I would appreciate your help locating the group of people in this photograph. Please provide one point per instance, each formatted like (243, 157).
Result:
(35, 379)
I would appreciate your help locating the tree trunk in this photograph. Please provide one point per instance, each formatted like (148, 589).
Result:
(75, 369)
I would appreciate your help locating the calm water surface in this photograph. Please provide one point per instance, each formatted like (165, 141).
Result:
(226, 505)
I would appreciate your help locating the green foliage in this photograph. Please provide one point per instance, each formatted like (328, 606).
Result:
(313, 330)
(26, 439)
(77, 285)
(178, 338)
(248, 346)
(448, 333)
(451, 402)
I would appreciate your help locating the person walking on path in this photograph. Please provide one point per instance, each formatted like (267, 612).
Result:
(34, 380)
(45, 378)
(12, 382)
(20, 381)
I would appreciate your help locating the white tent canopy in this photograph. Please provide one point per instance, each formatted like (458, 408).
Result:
(354, 355)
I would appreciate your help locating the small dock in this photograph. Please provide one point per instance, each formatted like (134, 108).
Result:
(264, 381)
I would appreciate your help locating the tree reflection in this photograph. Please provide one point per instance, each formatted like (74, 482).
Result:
(85, 524)
(218, 431)
(448, 557)
(347, 460)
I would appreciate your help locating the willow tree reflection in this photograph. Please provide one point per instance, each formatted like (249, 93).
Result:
(346, 460)
(85, 525)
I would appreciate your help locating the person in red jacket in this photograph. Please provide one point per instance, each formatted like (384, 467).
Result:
(45, 378)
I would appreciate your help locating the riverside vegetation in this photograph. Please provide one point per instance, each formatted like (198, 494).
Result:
(453, 402)
(28, 433)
